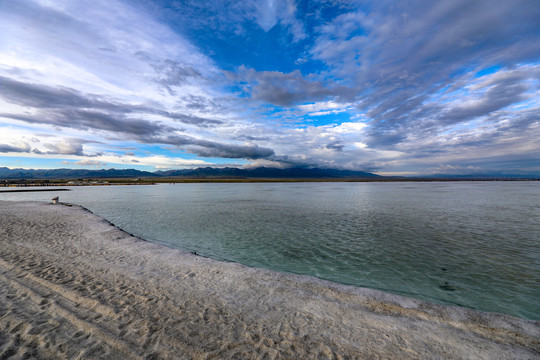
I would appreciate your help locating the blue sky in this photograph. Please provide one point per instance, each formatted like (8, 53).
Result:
(396, 88)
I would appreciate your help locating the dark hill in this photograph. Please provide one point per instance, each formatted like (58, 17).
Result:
(207, 172)
(269, 173)
(6, 173)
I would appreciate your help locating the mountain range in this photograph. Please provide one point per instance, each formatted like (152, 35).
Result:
(238, 173)
(205, 172)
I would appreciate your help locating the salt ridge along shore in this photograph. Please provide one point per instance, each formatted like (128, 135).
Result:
(73, 286)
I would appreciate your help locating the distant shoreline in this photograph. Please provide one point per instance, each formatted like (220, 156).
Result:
(153, 181)
(32, 190)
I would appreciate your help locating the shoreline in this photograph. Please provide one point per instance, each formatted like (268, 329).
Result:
(32, 190)
(173, 181)
(73, 285)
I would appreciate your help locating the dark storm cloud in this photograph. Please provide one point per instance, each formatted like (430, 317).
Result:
(381, 138)
(252, 152)
(252, 138)
(414, 117)
(501, 94)
(211, 148)
(515, 124)
(5, 148)
(286, 89)
(69, 108)
(85, 119)
(94, 120)
(43, 96)
(173, 73)
(336, 145)
(146, 132)
(414, 41)
(190, 119)
(402, 115)
(203, 104)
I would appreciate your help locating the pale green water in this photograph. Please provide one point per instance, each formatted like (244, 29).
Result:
(472, 244)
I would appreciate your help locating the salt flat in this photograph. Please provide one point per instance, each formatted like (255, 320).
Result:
(74, 286)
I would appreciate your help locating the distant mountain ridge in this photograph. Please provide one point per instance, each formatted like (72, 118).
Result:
(266, 172)
(206, 172)
(6, 173)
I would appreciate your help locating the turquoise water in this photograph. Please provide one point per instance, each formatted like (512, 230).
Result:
(473, 244)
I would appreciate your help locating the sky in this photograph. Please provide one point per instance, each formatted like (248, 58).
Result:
(392, 87)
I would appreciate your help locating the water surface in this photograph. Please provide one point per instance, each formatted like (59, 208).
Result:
(474, 244)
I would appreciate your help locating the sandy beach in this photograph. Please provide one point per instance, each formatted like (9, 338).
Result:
(73, 286)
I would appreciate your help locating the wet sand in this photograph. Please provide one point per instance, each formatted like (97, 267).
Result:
(74, 286)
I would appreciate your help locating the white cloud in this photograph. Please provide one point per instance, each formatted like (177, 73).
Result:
(348, 128)
(94, 46)
(360, 145)
(324, 106)
(64, 148)
(269, 12)
(86, 163)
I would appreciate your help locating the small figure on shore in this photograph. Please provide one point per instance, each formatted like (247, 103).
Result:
(55, 200)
